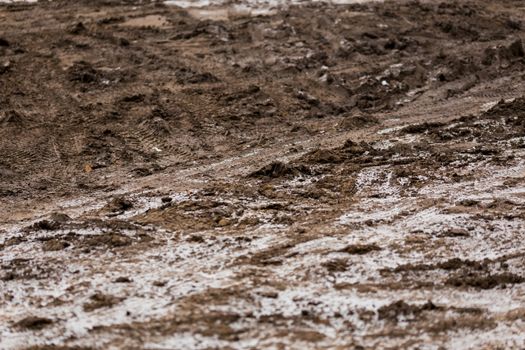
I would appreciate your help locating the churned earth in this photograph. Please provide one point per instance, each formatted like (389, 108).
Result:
(301, 176)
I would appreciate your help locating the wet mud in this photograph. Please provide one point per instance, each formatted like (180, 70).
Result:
(343, 176)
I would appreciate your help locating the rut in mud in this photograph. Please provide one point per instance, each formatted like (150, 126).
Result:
(315, 176)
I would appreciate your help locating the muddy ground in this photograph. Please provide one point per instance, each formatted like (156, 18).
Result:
(310, 177)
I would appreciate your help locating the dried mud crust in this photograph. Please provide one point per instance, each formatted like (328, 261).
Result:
(322, 176)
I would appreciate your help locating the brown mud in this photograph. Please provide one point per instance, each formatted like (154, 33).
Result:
(318, 176)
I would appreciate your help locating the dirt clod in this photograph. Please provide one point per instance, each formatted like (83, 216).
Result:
(45, 225)
(99, 300)
(34, 323)
(359, 249)
(55, 245)
(279, 169)
(111, 240)
(119, 204)
(401, 308)
(123, 279)
(484, 281)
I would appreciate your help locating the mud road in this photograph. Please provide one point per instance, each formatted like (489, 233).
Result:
(313, 176)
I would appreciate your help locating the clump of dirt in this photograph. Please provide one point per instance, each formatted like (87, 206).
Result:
(34, 323)
(358, 122)
(337, 265)
(189, 76)
(359, 249)
(123, 279)
(392, 311)
(77, 28)
(59, 217)
(83, 72)
(309, 336)
(450, 264)
(159, 283)
(455, 232)
(110, 240)
(484, 281)
(196, 239)
(421, 128)
(513, 51)
(513, 111)
(55, 245)
(99, 300)
(45, 225)
(118, 205)
(325, 156)
(279, 169)
(349, 151)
